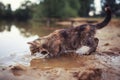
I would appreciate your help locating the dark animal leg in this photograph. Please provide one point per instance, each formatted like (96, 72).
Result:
(94, 45)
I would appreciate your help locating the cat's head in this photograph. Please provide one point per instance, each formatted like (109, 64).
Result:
(38, 46)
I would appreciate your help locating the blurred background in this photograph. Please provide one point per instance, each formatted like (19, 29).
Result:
(24, 10)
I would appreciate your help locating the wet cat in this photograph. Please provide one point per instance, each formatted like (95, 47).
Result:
(80, 39)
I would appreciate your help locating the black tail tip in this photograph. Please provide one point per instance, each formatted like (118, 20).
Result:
(106, 5)
(107, 8)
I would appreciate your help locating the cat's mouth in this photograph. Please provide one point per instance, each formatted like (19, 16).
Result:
(41, 54)
(44, 52)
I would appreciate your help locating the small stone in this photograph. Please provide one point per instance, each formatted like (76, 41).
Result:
(106, 44)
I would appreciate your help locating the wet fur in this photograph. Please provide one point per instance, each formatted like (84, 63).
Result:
(72, 38)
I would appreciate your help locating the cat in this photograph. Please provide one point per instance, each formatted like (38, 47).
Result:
(80, 40)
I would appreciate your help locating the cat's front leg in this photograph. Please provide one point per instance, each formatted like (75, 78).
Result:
(89, 47)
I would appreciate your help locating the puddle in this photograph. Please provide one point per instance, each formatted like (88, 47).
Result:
(64, 61)
(15, 59)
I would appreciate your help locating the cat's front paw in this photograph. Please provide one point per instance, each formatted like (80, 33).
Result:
(84, 50)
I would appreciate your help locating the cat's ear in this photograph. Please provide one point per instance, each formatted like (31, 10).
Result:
(31, 43)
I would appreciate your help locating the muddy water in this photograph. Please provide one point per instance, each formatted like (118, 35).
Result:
(102, 65)
(64, 61)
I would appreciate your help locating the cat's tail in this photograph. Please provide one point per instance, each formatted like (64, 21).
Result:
(107, 18)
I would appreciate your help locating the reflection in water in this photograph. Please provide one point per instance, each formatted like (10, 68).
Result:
(12, 41)
(5, 26)
(13, 38)
(15, 35)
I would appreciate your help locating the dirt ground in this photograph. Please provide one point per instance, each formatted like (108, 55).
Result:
(104, 64)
